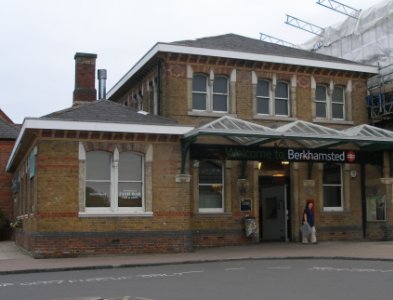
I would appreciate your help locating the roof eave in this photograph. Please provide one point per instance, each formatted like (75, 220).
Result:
(164, 47)
(32, 123)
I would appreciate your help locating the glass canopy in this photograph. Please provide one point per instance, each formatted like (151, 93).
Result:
(307, 134)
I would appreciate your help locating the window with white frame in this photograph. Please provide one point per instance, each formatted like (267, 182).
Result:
(338, 103)
(281, 101)
(332, 187)
(321, 101)
(211, 186)
(264, 98)
(206, 98)
(114, 182)
(330, 106)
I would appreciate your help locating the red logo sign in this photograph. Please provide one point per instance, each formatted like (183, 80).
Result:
(351, 156)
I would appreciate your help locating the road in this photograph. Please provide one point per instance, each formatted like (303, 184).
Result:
(237, 280)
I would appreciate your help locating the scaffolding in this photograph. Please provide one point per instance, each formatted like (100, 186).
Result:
(380, 95)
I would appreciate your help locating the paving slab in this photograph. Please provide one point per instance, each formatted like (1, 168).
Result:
(15, 260)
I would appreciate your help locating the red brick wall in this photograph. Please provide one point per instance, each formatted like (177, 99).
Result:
(5, 179)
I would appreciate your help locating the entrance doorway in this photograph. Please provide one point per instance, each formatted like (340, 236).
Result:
(274, 208)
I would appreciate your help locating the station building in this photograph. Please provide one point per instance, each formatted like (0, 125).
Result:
(209, 142)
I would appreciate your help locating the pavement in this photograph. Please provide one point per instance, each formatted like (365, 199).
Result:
(14, 260)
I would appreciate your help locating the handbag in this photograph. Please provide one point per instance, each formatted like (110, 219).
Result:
(306, 229)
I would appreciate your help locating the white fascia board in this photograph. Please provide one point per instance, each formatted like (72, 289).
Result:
(30, 123)
(162, 47)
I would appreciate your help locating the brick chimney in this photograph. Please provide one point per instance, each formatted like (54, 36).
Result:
(85, 69)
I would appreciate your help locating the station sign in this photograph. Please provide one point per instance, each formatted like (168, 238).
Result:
(199, 151)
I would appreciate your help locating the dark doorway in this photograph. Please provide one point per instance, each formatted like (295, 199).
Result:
(274, 208)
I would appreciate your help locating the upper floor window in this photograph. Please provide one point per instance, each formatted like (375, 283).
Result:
(338, 103)
(210, 186)
(209, 98)
(263, 97)
(332, 187)
(281, 100)
(329, 106)
(114, 182)
(265, 104)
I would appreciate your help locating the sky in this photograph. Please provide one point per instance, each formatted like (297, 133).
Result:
(39, 38)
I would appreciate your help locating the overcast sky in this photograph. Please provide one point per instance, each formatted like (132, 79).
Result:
(40, 37)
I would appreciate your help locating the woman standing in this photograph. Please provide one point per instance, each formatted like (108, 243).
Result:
(308, 217)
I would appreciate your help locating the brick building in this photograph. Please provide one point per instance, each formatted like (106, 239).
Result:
(197, 139)
(8, 134)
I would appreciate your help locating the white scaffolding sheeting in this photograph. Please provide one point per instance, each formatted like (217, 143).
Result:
(367, 40)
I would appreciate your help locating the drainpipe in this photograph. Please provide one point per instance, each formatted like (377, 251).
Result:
(159, 68)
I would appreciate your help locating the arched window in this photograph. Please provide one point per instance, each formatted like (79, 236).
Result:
(130, 184)
(199, 92)
(281, 101)
(114, 182)
(98, 179)
(330, 106)
(263, 97)
(220, 94)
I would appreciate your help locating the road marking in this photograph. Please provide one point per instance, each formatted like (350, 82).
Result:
(234, 269)
(359, 270)
(279, 268)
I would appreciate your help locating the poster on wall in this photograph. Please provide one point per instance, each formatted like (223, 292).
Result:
(376, 207)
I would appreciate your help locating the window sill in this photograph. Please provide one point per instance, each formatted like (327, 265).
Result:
(210, 114)
(327, 121)
(113, 215)
(275, 118)
(213, 214)
(333, 210)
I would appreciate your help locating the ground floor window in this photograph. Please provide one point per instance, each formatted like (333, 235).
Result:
(210, 186)
(332, 187)
(114, 181)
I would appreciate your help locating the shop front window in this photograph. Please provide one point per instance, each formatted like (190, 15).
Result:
(210, 186)
(332, 187)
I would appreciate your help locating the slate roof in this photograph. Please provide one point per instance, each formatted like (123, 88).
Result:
(8, 131)
(238, 43)
(107, 111)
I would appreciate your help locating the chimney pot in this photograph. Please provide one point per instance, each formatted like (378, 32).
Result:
(85, 65)
(101, 74)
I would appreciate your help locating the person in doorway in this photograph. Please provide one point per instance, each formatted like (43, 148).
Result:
(308, 217)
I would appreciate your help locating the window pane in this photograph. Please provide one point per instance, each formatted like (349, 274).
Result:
(199, 101)
(281, 107)
(220, 85)
(320, 109)
(199, 83)
(337, 111)
(130, 194)
(263, 106)
(130, 166)
(210, 196)
(210, 184)
(320, 93)
(282, 90)
(98, 164)
(263, 88)
(220, 103)
(338, 95)
(331, 174)
(332, 196)
(210, 172)
(97, 194)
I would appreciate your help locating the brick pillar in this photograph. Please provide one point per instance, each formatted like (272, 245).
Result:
(85, 68)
